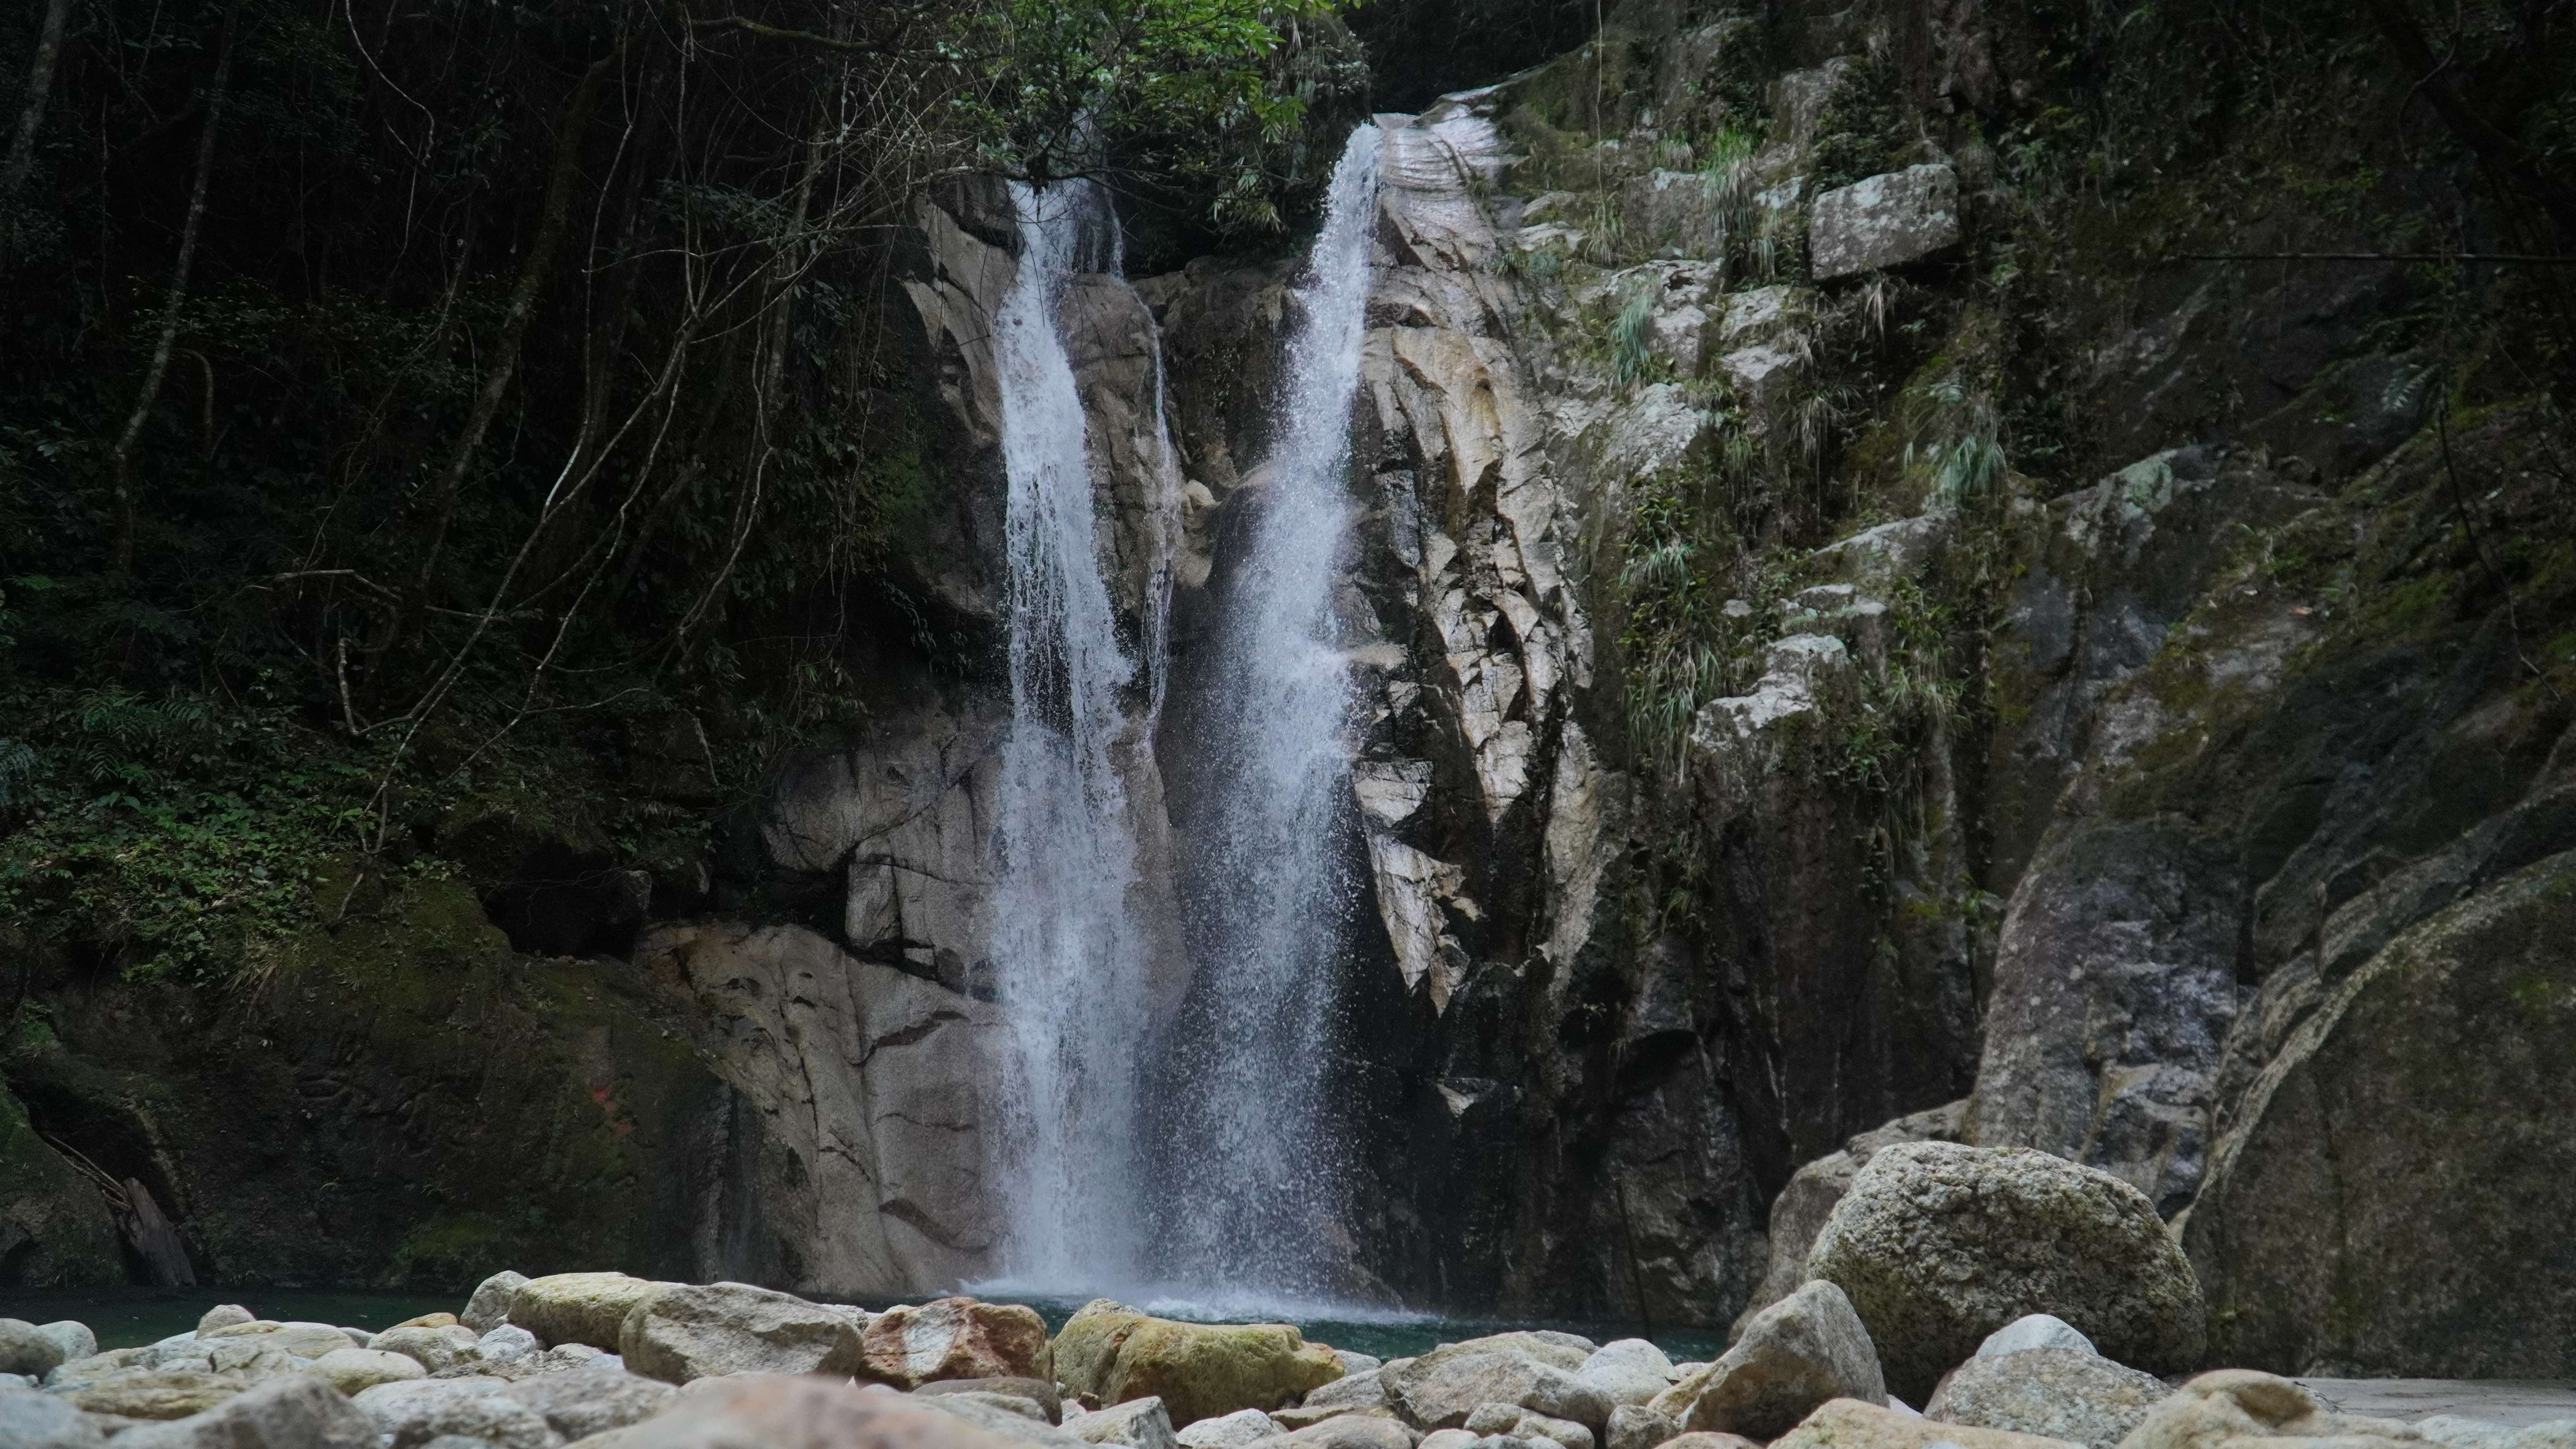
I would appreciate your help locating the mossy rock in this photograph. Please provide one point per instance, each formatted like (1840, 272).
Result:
(1200, 1370)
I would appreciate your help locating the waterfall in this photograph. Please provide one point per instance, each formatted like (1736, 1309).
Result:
(1253, 1168)
(1071, 954)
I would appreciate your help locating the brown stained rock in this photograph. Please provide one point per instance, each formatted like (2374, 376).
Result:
(1851, 1424)
(779, 1411)
(957, 1338)
(155, 1393)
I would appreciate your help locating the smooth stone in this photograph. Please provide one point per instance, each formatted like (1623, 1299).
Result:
(1635, 1426)
(30, 1420)
(1938, 1245)
(414, 1412)
(773, 1411)
(1851, 1424)
(693, 1331)
(586, 1308)
(1347, 1431)
(1446, 1439)
(1629, 1370)
(304, 1340)
(489, 1307)
(1226, 1431)
(2227, 1408)
(292, 1412)
(956, 1338)
(1516, 1422)
(432, 1348)
(78, 1371)
(1363, 1389)
(224, 1315)
(1800, 1352)
(1036, 1391)
(440, 1319)
(74, 1339)
(2035, 1330)
(1440, 1389)
(155, 1393)
(2056, 1393)
(506, 1342)
(250, 1360)
(581, 1402)
(24, 1350)
(354, 1370)
(1138, 1423)
(1358, 1363)
(1006, 1415)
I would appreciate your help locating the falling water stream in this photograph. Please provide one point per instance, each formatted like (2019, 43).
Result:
(1240, 1196)
(1070, 951)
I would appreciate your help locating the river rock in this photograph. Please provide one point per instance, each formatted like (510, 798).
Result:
(586, 1308)
(1011, 1417)
(410, 1414)
(302, 1339)
(2034, 1330)
(1939, 1245)
(297, 1411)
(30, 1420)
(1037, 1391)
(956, 1338)
(75, 1372)
(251, 1361)
(155, 1393)
(1447, 1439)
(1226, 1431)
(1851, 1424)
(1628, 1371)
(1347, 1431)
(1513, 1421)
(1362, 1390)
(489, 1308)
(578, 1403)
(432, 1348)
(1358, 1363)
(1138, 1423)
(74, 1339)
(224, 1315)
(777, 1411)
(1794, 1355)
(2230, 1408)
(1635, 1426)
(509, 1341)
(2056, 1393)
(691, 1332)
(1884, 221)
(354, 1370)
(1440, 1389)
(1109, 1353)
(23, 1350)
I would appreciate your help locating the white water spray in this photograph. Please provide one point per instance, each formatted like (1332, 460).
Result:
(1255, 1168)
(1071, 953)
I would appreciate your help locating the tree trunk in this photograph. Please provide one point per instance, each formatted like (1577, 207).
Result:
(40, 84)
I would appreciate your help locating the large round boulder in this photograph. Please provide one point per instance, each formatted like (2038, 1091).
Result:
(586, 1308)
(1938, 1245)
(1110, 1353)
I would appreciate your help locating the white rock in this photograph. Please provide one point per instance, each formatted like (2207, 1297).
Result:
(1228, 1431)
(412, 1413)
(223, 1315)
(1902, 1407)
(1629, 1370)
(74, 1339)
(355, 1370)
(506, 1342)
(2037, 1330)
(1137, 1423)
(1352, 1363)
(489, 1308)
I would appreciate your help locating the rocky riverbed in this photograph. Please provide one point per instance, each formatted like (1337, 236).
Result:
(2024, 1302)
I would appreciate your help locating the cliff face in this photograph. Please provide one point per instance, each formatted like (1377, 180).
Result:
(1863, 629)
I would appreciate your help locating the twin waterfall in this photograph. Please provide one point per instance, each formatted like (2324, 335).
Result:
(1189, 1159)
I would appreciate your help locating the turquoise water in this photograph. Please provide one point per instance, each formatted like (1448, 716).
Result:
(125, 1318)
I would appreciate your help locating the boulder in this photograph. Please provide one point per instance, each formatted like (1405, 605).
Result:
(1514, 1422)
(586, 1308)
(1347, 1431)
(413, 1413)
(956, 1338)
(224, 1315)
(489, 1308)
(2390, 1196)
(2239, 1408)
(2034, 1330)
(1939, 1245)
(302, 1339)
(74, 1339)
(24, 1350)
(1011, 1417)
(2056, 1393)
(578, 1403)
(691, 1332)
(155, 1393)
(1358, 1363)
(1109, 1353)
(509, 1341)
(353, 1370)
(296, 1411)
(1361, 1390)
(1138, 1423)
(1441, 1388)
(1799, 1212)
(250, 1361)
(45, 1421)
(1884, 221)
(1036, 1391)
(798, 1412)
(1628, 1371)
(1635, 1426)
(1447, 1439)
(76, 1372)
(1794, 1355)
(1851, 1424)
(1226, 1431)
